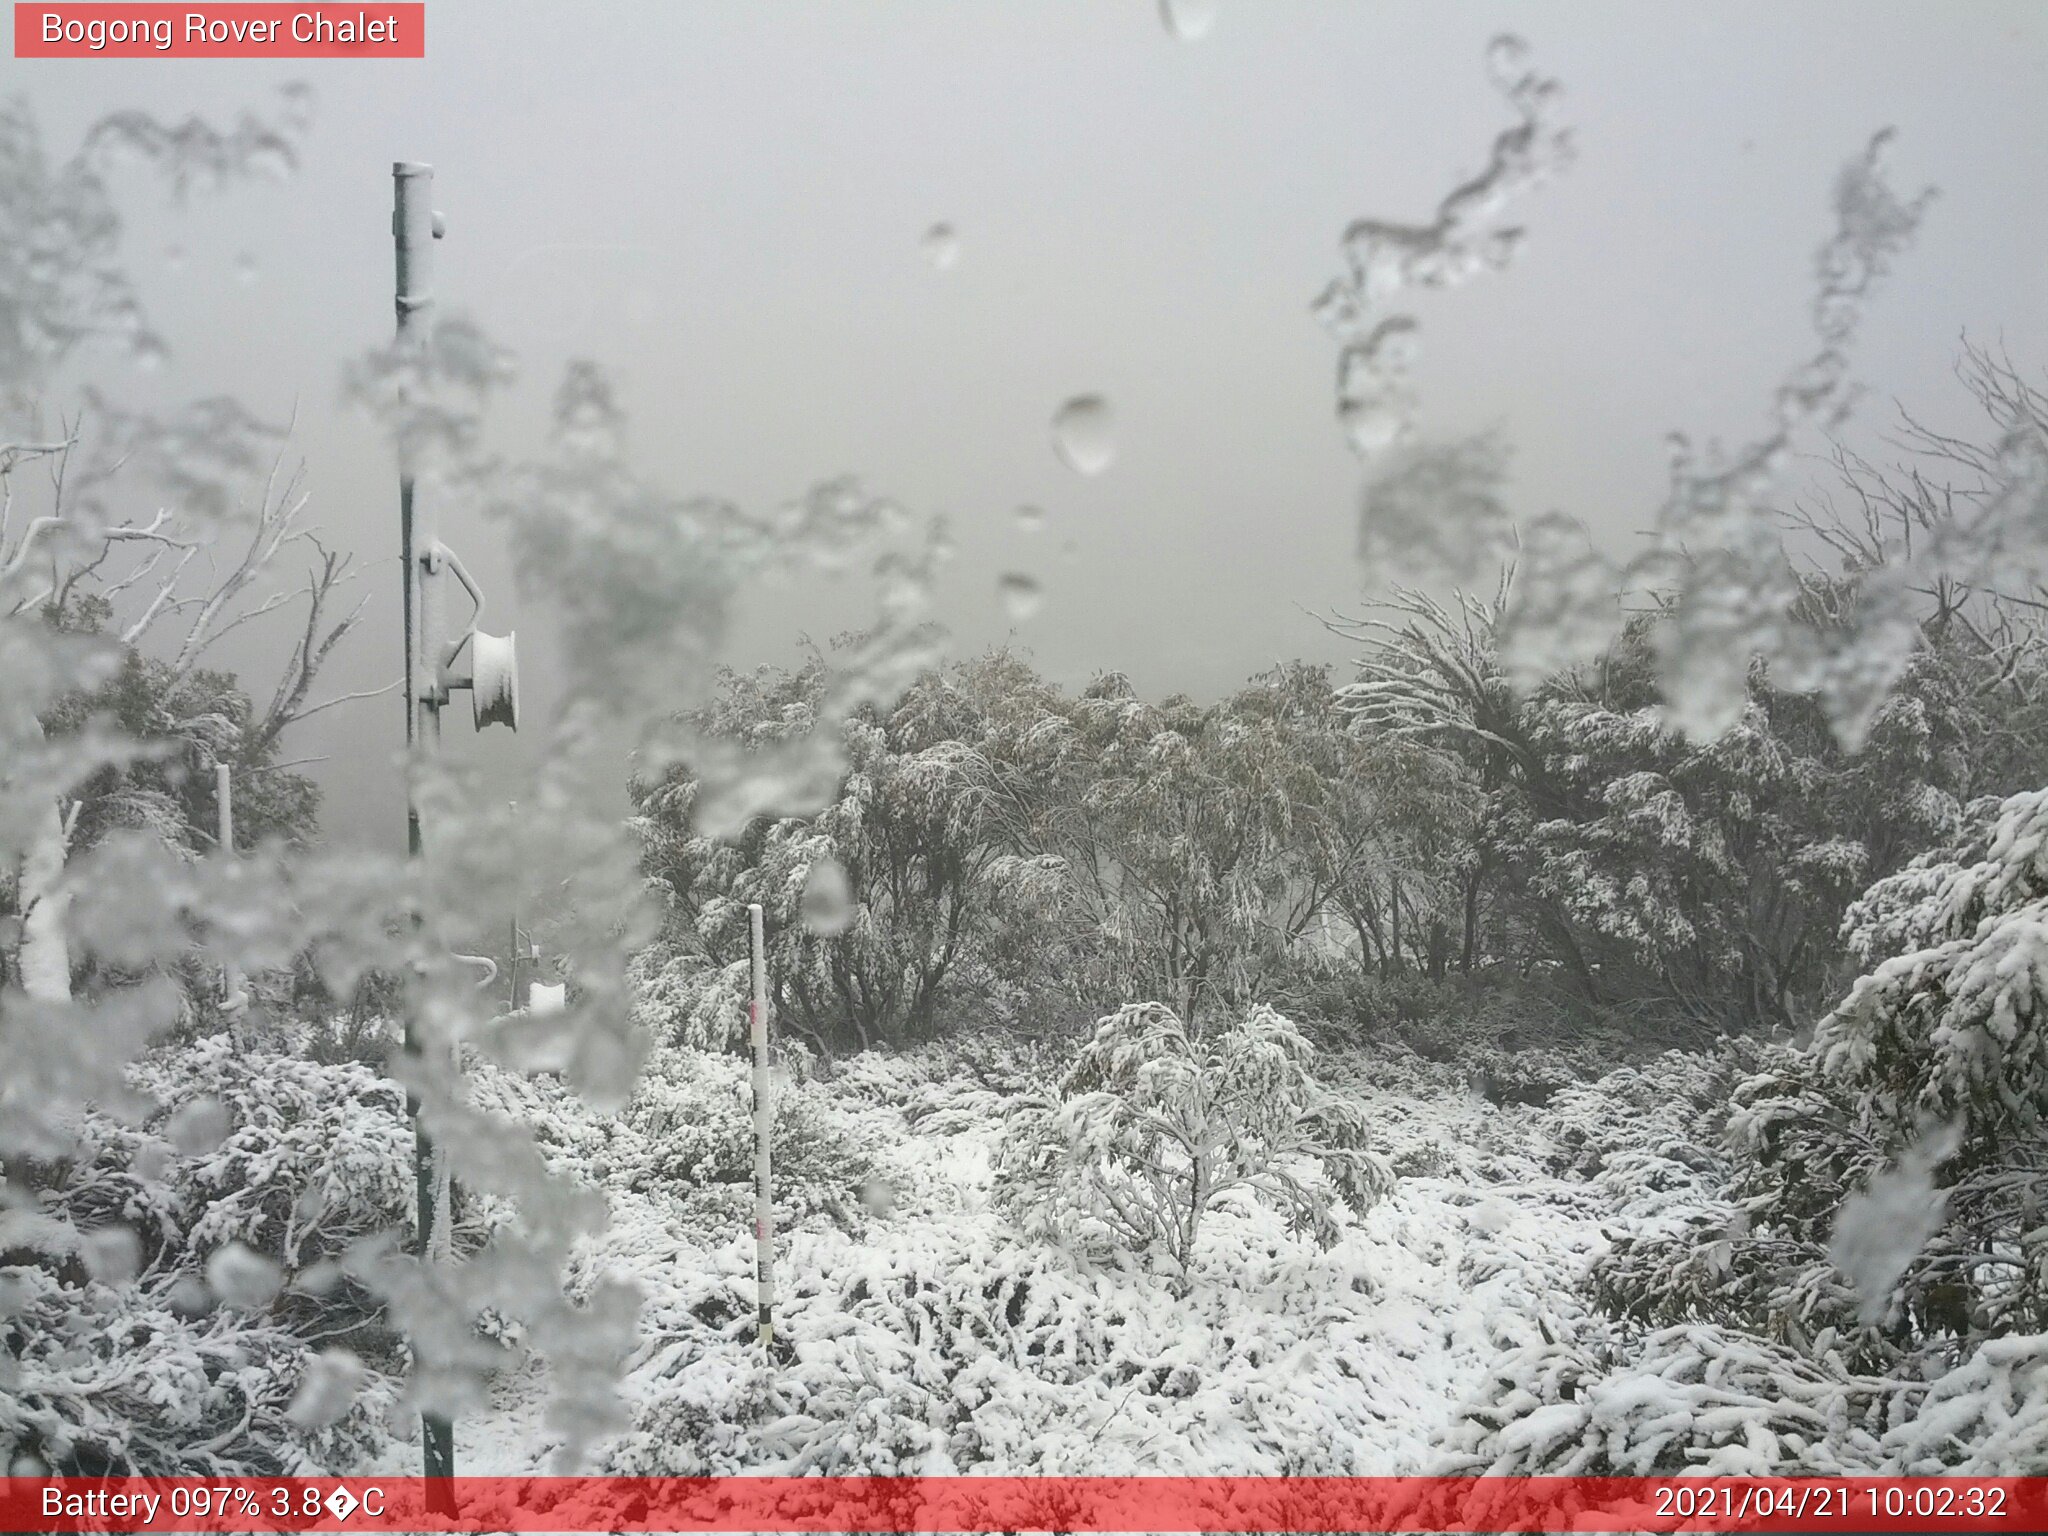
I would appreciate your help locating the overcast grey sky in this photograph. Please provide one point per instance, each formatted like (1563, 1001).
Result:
(723, 202)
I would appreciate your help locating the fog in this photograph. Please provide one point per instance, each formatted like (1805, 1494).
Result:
(725, 204)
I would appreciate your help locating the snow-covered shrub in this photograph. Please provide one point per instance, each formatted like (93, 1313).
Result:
(315, 1155)
(692, 1140)
(287, 1159)
(1712, 1401)
(1649, 1134)
(151, 1379)
(1923, 1100)
(162, 1312)
(1150, 1127)
(946, 1345)
(574, 1139)
(1986, 1418)
(1695, 1399)
(1878, 1227)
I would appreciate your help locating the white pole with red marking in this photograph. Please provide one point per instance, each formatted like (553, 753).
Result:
(234, 998)
(764, 1201)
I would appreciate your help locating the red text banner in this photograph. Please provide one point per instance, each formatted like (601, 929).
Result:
(1023, 1504)
(220, 31)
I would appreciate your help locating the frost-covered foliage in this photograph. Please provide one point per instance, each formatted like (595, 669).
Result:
(905, 900)
(936, 1337)
(1699, 881)
(1942, 1045)
(1151, 1127)
(118, 912)
(174, 1298)
(1001, 853)
(1858, 1284)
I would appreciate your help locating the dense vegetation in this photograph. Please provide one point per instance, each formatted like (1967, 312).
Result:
(1450, 1061)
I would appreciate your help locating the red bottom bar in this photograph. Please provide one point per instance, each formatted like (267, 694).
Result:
(1024, 1504)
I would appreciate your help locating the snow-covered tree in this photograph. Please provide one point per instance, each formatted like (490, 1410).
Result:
(905, 896)
(148, 536)
(1152, 1126)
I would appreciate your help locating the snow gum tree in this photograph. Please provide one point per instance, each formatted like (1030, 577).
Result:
(909, 893)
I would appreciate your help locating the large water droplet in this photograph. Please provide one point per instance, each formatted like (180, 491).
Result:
(1030, 519)
(198, 1127)
(189, 1297)
(1083, 432)
(826, 908)
(1507, 56)
(1021, 594)
(149, 352)
(242, 1277)
(333, 1378)
(275, 161)
(941, 246)
(1371, 425)
(111, 1255)
(1188, 19)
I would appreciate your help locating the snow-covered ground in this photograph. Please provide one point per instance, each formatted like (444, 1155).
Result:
(935, 1337)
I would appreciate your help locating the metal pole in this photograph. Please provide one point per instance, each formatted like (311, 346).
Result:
(414, 228)
(764, 1201)
(512, 947)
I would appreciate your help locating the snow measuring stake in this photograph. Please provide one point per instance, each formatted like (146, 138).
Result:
(234, 997)
(431, 676)
(764, 1198)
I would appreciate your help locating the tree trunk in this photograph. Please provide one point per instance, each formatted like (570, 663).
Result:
(45, 951)
(1471, 942)
(45, 958)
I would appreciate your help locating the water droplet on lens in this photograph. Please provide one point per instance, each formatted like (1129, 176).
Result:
(275, 161)
(189, 1297)
(1030, 519)
(174, 257)
(319, 1279)
(111, 1255)
(245, 269)
(941, 246)
(826, 908)
(1021, 594)
(242, 1277)
(328, 1390)
(1371, 427)
(198, 1126)
(1083, 433)
(1188, 19)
